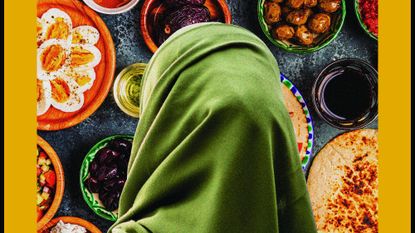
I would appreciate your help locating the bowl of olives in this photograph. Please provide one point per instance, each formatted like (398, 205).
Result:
(301, 26)
(103, 174)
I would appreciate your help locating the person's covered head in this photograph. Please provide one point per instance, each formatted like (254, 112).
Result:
(214, 150)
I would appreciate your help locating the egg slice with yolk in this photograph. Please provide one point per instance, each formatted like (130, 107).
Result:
(52, 57)
(84, 56)
(39, 31)
(84, 78)
(56, 25)
(85, 35)
(43, 96)
(65, 94)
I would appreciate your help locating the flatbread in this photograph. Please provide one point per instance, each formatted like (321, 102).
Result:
(343, 183)
(298, 119)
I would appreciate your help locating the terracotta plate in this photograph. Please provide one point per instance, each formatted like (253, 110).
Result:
(153, 10)
(80, 14)
(60, 182)
(73, 220)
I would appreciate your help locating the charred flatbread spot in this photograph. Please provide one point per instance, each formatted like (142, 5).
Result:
(360, 158)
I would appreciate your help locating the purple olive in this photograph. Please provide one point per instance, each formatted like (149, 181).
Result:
(112, 173)
(104, 196)
(184, 2)
(92, 184)
(107, 156)
(103, 173)
(114, 156)
(114, 199)
(125, 156)
(103, 154)
(110, 184)
(120, 185)
(114, 185)
(120, 145)
(122, 163)
(93, 169)
(109, 199)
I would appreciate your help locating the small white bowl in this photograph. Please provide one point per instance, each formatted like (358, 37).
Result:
(111, 11)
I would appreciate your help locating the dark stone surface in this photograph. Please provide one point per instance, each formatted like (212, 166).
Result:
(72, 144)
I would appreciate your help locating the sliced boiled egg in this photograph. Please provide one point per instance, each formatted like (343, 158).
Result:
(85, 35)
(65, 94)
(56, 25)
(39, 31)
(84, 78)
(52, 57)
(84, 56)
(43, 96)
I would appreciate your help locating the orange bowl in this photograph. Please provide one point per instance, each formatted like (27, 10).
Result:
(73, 220)
(60, 182)
(81, 14)
(152, 11)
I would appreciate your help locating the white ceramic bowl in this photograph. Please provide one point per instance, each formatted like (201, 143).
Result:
(111, 11)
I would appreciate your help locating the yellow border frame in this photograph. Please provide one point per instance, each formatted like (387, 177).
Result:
(20, 117)
(394, 116)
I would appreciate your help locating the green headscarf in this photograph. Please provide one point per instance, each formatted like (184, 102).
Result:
(214, 150)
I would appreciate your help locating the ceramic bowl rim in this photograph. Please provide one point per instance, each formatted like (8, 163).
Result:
(299, 50)
(111, 11)
(92, 153)
(60, 182)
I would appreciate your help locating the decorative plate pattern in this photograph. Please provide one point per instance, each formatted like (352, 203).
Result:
(88, 196)
(297, 94)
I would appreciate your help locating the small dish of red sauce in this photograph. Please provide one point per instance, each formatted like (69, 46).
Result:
(111, 7)
(111, 3)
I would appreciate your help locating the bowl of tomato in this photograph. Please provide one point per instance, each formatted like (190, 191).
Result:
(50, 182)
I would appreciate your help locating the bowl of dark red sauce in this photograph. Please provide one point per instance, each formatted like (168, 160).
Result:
(345, 94)
(111, 7)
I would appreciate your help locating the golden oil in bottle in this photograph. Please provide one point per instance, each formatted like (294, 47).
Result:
(127, 89)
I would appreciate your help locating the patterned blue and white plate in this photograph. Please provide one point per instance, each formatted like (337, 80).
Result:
(306, 160)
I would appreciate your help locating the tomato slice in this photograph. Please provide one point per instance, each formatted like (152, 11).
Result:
(300, 146)
(50, 178)
(43, 155)
(39, 214)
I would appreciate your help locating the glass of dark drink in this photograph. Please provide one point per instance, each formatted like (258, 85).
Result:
(345, 94)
